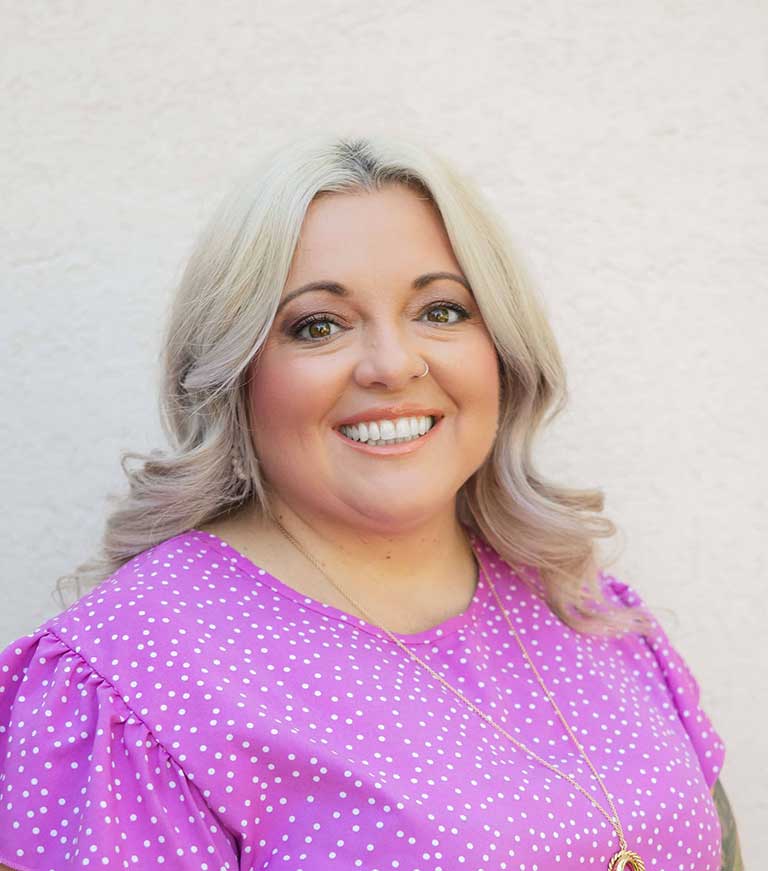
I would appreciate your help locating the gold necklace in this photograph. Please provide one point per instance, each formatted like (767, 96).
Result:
(624, 858)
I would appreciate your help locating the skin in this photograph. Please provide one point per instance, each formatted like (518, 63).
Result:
(370, 520)
(731, 848)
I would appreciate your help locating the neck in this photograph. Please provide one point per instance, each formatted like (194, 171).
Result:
(428, 566)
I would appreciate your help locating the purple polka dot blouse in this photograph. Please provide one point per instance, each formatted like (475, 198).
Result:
(195, 713)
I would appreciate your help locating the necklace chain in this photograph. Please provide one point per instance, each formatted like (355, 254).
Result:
(620, 859)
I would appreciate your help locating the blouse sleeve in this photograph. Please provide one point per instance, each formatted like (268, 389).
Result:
(682, 687)
(83, 782)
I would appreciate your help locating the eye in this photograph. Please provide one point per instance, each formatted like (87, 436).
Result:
(443, 306)
(316, 327)
(309, 323)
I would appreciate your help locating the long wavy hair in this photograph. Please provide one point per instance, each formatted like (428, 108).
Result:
(222, 313)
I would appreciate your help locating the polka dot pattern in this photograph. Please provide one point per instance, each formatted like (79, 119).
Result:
(195, 713)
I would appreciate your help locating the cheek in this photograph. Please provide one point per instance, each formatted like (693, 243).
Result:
(284, 393)
(483, 392)
(483, 372)
(268, 385)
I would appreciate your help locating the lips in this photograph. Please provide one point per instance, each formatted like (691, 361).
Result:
(374, 431)
(396, 448)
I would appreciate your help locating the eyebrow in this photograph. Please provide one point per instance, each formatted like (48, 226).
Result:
(340, 290)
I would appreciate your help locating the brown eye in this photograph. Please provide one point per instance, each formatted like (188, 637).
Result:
(443, 311)
(444, 308)
(317, 327)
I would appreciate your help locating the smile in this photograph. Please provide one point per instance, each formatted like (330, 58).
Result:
(412, 438)
(386, 432)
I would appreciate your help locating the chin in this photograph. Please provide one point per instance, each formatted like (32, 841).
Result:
(398, 516)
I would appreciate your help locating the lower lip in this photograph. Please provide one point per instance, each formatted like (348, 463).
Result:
(391, 450)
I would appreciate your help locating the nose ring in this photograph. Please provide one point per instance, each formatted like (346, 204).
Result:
(425, 372)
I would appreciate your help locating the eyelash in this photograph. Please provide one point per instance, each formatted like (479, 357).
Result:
(320, 318)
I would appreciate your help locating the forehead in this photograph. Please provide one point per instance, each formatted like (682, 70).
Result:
(396, 228)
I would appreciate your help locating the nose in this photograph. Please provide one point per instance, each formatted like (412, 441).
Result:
(388, 359)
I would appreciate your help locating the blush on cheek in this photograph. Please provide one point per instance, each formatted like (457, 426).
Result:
(268, 396)
(289, 397)
(269, 385)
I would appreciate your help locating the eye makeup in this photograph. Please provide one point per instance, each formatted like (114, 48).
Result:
(294, 330)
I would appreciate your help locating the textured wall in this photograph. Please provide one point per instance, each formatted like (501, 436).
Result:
(624, 142)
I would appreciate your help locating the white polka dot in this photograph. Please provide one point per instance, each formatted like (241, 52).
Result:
(194, 702)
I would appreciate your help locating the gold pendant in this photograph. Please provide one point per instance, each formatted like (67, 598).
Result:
(626, 859)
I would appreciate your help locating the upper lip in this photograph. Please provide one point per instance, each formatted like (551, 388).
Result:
(390, 412)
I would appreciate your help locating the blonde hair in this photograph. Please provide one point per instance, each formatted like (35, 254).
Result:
(221, 315)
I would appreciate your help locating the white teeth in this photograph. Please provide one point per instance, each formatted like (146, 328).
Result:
(389, 431)
(403, 428)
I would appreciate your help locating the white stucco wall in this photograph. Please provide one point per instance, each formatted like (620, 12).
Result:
(626, 145)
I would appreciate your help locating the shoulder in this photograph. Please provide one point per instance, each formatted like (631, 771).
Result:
(658, 661)
(159, 586)
(147, 616)
(619, 592)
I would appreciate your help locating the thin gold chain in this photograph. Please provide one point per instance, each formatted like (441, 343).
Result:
(614, 821)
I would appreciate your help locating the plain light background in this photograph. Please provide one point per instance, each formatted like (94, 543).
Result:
(625, 144)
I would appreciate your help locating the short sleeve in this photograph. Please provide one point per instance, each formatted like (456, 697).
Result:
(682, 687)
(83, 782)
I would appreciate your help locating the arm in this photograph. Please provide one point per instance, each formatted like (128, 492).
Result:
(731, 849)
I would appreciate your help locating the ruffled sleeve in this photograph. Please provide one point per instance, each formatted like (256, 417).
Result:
(83, 782)
(682, 687)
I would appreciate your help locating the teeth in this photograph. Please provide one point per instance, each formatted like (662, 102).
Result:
(403, 428)
(389, 431)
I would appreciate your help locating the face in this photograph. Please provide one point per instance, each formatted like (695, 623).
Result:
(331, 356)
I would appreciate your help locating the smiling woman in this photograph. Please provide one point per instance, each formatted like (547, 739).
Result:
(343, 621)
(348, 355)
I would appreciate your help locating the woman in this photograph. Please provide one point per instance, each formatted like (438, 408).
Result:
(344, 623)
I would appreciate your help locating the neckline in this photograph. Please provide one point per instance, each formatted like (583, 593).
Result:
(435, 633)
